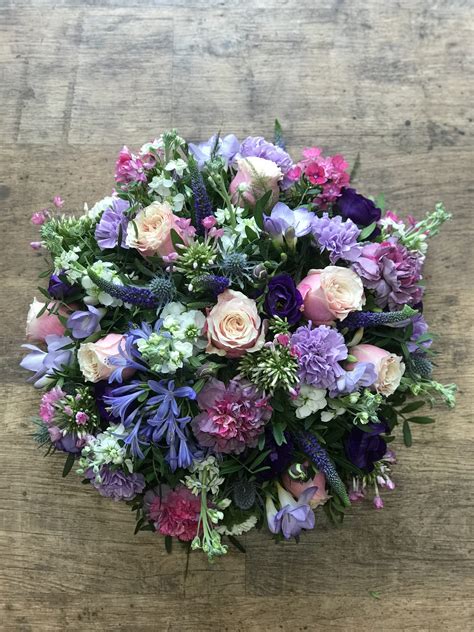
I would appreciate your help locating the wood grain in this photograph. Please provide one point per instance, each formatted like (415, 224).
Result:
(390, 80)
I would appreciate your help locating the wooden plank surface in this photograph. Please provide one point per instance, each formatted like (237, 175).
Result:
(391, 80)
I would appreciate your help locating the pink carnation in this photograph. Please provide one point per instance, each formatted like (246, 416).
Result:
(233, 416)
(174, 512)
(47, 409)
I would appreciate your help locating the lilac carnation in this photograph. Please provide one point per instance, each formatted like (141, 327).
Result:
(261, 148)
(233, 416)
(338, 237)
(116, 484)
(319, 352)
(392, 271)
(113, 223)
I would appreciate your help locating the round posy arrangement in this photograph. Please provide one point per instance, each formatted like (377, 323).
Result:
(228, 341)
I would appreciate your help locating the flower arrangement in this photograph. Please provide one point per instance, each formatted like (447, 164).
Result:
(231, 339)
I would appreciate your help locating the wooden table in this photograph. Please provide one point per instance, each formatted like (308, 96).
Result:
(391, 80)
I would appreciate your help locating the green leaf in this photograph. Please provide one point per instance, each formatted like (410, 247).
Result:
(68, 465)
(367, 231)
(407, 438)
(250, 234)
(175, 238)
(260, 207)
(355, 168)
(412, 406)
(168, 543)
(380, 201)
(278, 434)
(421, 420)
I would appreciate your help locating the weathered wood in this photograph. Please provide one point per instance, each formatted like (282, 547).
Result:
(390, 80)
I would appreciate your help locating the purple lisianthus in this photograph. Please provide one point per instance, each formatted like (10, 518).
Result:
(319, 352)
(338, 237)
(116, 484)
(113, 225)
(227, 148)
(103, 389)
(293, 516)
(283, 299)
(43, 363)
(58, 286)
(392, 271)
(361, 210)
(364, 447)
(284, 223)
(362, 375)
(84, 324)
(279, 458)
(261, 148)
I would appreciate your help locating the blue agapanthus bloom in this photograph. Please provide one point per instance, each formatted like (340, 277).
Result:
(129, 356)
(155, 419)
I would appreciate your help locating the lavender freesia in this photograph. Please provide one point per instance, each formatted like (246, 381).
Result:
(293, 515)
(83, 324)
(285, 224)
(226, 148)
(43, 363)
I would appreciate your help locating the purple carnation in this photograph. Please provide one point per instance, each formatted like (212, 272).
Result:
(338, 237)
(261, 148)
(361, 210)
(112, 224)
(283, 299)
(392, 271)
(116, 484)
(319, 352)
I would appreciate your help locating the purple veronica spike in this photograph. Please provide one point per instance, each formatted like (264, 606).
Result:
(377, 319)
(202, 203)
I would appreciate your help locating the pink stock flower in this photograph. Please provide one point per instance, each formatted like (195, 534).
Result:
(38, 327)
(58, 201)
(209, 221)
(174, 512)
(40, 217)
(36, 245)
(81, 418)
(129, 168)
(47, 409)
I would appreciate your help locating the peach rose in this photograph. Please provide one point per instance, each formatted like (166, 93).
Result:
(94, 358)
(331, 294)
(150, 231)
(255, 176)
(233, 326)
(297, 488)
(388, 366)
(37, 328)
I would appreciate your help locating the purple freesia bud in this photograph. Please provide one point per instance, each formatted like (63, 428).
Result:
(84, 324)
(294, 515)
(43, 363)
(58, 287)
(288, 223)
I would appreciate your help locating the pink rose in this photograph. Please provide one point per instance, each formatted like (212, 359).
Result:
(37, 328)
(150, 231)
(255, 176)
(297, 488)
(388, 366)
(94, 358)
(331, 294)
(233, 326)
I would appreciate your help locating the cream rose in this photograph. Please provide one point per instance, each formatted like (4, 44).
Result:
(388, 366)
(256, 176)
(233, 326)
(331, 294)
(94, 358)
(150, 231)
